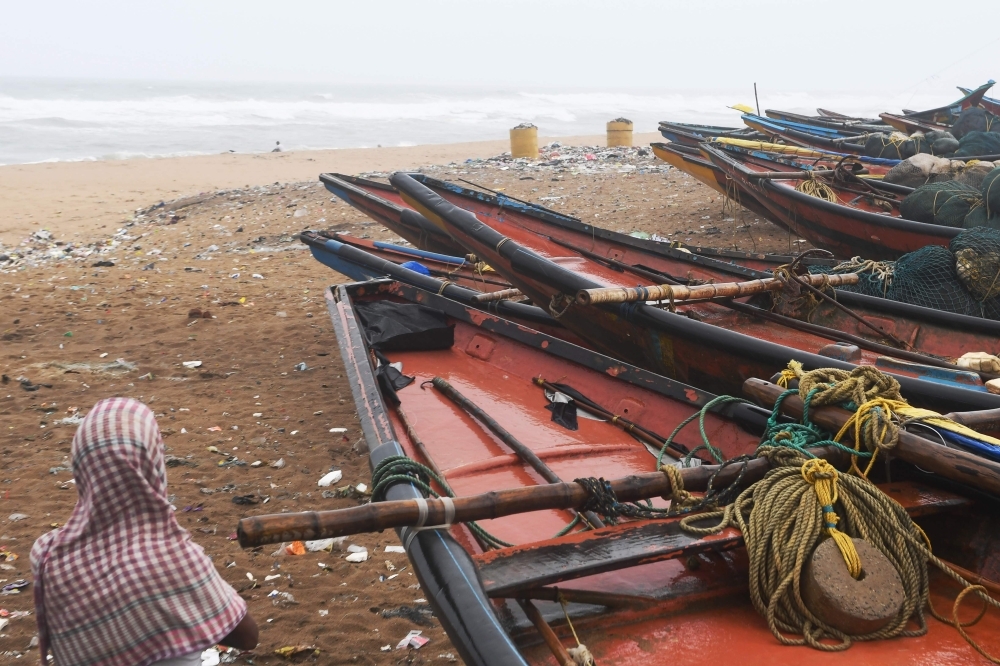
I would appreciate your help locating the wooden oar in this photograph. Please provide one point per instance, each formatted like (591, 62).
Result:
(673, 292)
(954, 464)
(378, 516)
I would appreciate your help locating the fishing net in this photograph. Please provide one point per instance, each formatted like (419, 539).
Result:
(973, 119)
(874, 277)
(977, 261)
(978, 143)
(991, 192)
(973, 172)
(964, 279)
(952, 213)
(924, 203)
(887, 145)
(978, 217)
(927, 277)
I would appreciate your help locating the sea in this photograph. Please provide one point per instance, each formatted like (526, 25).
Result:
(46, 120)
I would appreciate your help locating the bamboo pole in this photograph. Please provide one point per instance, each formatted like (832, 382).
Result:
(502, 295)
(377, 516)
(669, 292)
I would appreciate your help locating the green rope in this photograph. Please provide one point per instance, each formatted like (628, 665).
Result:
(706, 445)
(799, 436)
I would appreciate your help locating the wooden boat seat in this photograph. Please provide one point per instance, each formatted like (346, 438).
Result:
(508, 571)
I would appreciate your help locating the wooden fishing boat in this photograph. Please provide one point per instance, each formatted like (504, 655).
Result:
(943, 115)
(691, 135)
(854, 225)
(459, 270)
(713, 345)
(799, 136)
(381, 202)
(910, 124)
(690, 160)
(642, 591)
(941, 334)
(843, 124)
(358, 263)
(989, 103)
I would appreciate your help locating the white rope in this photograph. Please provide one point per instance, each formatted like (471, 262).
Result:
(422, 509)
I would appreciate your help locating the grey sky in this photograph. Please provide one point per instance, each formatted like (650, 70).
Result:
(787, 45)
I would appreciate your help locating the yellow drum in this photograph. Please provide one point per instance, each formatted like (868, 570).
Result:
(620, 132)
(524, 141)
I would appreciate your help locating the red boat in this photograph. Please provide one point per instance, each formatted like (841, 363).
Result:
(863, 221)
(713, 345)
(639, 592)
(943, 335)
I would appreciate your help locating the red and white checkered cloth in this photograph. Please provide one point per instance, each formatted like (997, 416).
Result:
(122, 584)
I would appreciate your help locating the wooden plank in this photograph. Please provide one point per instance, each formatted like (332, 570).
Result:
(509, 571)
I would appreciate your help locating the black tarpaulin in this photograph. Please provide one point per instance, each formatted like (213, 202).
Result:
(404, 326)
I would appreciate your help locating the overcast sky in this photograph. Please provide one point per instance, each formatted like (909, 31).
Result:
(661, 45)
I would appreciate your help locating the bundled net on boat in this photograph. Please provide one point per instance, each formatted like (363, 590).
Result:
(991, 192)
(963, 278)
(944, 203)
(977, 261)
(978, 143)
(927, 277)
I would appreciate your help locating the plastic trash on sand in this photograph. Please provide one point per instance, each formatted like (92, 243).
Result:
(295, 548)
(395, 549)
(320, 545)
(358, 557)
(413, 640)
(211, 657)
(330, 478)
(191, 364)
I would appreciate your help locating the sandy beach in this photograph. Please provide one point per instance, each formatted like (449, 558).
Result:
(262, 409)
(79, 197)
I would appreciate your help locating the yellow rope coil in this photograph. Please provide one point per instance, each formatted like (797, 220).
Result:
(823, 478)
(816, 188)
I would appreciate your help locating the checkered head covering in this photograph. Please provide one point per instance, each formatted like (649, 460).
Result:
(122, 584)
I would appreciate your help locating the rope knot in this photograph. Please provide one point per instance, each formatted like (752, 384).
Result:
(679, 498)
(822, 476)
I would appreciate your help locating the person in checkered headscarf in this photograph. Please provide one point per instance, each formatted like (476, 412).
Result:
(123, 584)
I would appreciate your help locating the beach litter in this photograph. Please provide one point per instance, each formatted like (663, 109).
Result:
(290, 651)
(413, 640)
(422, 615)
(357, 556)
(395, 549)
(191, 364)
(330, 478)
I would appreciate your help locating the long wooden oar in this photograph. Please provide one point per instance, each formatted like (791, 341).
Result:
(378, 516)
(954, 464)
(673, 292)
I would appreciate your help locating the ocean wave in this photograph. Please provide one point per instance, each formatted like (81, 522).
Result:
(75, 122)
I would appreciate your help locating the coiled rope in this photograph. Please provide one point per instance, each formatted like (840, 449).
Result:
(816, 188)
